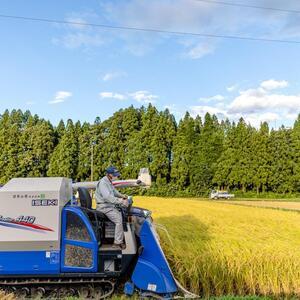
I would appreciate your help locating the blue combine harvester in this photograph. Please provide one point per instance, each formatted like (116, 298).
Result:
(53, 246)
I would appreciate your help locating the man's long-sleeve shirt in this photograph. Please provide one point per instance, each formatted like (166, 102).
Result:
(106, 194)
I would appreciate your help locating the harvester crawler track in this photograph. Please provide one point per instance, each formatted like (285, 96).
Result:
(56, 288)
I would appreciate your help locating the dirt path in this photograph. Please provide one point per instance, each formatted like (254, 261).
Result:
(268, 204)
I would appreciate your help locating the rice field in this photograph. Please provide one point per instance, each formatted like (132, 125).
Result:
(268, 204)
(218, 249)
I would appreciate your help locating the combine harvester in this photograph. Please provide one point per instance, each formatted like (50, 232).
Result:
(50, 245)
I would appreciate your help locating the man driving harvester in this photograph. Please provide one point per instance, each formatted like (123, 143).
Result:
(107, 198)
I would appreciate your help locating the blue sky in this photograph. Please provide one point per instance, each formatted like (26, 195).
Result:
(79, 72)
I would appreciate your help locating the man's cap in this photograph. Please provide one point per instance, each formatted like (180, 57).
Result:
(113, 171)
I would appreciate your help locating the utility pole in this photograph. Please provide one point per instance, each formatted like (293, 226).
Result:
(92, 159)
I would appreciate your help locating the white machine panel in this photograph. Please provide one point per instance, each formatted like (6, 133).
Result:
(30, 212)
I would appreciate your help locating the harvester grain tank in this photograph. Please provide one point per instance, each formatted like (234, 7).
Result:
(51, 246)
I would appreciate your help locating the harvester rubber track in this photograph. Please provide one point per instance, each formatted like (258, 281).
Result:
(56, 288)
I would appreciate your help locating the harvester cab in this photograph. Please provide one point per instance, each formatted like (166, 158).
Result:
(52, 246)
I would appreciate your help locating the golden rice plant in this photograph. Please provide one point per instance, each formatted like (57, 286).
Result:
(4, 296)
(221, 249)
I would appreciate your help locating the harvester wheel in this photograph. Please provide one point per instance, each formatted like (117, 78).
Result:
(98, 292)
(84, 292)
(71, 292)
(22, 293)
(10, 290)
(53, 294)
(65, 292)
(38, 293)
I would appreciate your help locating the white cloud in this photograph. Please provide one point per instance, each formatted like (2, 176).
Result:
(175, 110)
(172, 15)
(78, 35)
(261, 99)
(213, 98)
(80, 39)
(144, 97)
(200, 17)
(175, 15)
(232, 88)
(113, 75)
(257, 119)
(200, 49)
(201, 110)
(60, 97)
(273, 84)
(256, 105)
(111, 95)
(292, 115)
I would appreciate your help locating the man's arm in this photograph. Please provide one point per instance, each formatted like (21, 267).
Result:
(108, 194)
(118, 194)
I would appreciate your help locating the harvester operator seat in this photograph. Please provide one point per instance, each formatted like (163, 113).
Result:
(96, 217)
(85, 198)
(86, 202)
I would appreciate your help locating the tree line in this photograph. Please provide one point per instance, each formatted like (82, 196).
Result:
(188, 158)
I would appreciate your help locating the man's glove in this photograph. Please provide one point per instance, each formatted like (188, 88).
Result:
(125, 202)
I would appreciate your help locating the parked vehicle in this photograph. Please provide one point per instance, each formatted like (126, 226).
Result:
(220, 195)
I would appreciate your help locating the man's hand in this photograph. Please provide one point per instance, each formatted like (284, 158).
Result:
(125, 202)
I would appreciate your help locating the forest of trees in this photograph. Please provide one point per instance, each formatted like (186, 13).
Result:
(188, 158)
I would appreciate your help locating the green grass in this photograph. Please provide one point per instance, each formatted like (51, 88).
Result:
(266, 195)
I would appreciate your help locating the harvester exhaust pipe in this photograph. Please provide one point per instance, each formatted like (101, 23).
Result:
(144, 180)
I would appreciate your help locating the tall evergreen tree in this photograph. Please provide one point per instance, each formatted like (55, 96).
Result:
(4, 146)
(161, 147)
(227, 159)
(131, 124)
(261, 159)
(100, 132)
(234, 168)
(64, 159)
(59, 131)
(209, 148)
(241, 174)
(140, 144)
(37, 142)
(281, 168)
(184, 150)
(296, 155)
(112, 148)
(10, 131)
(86, 146)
